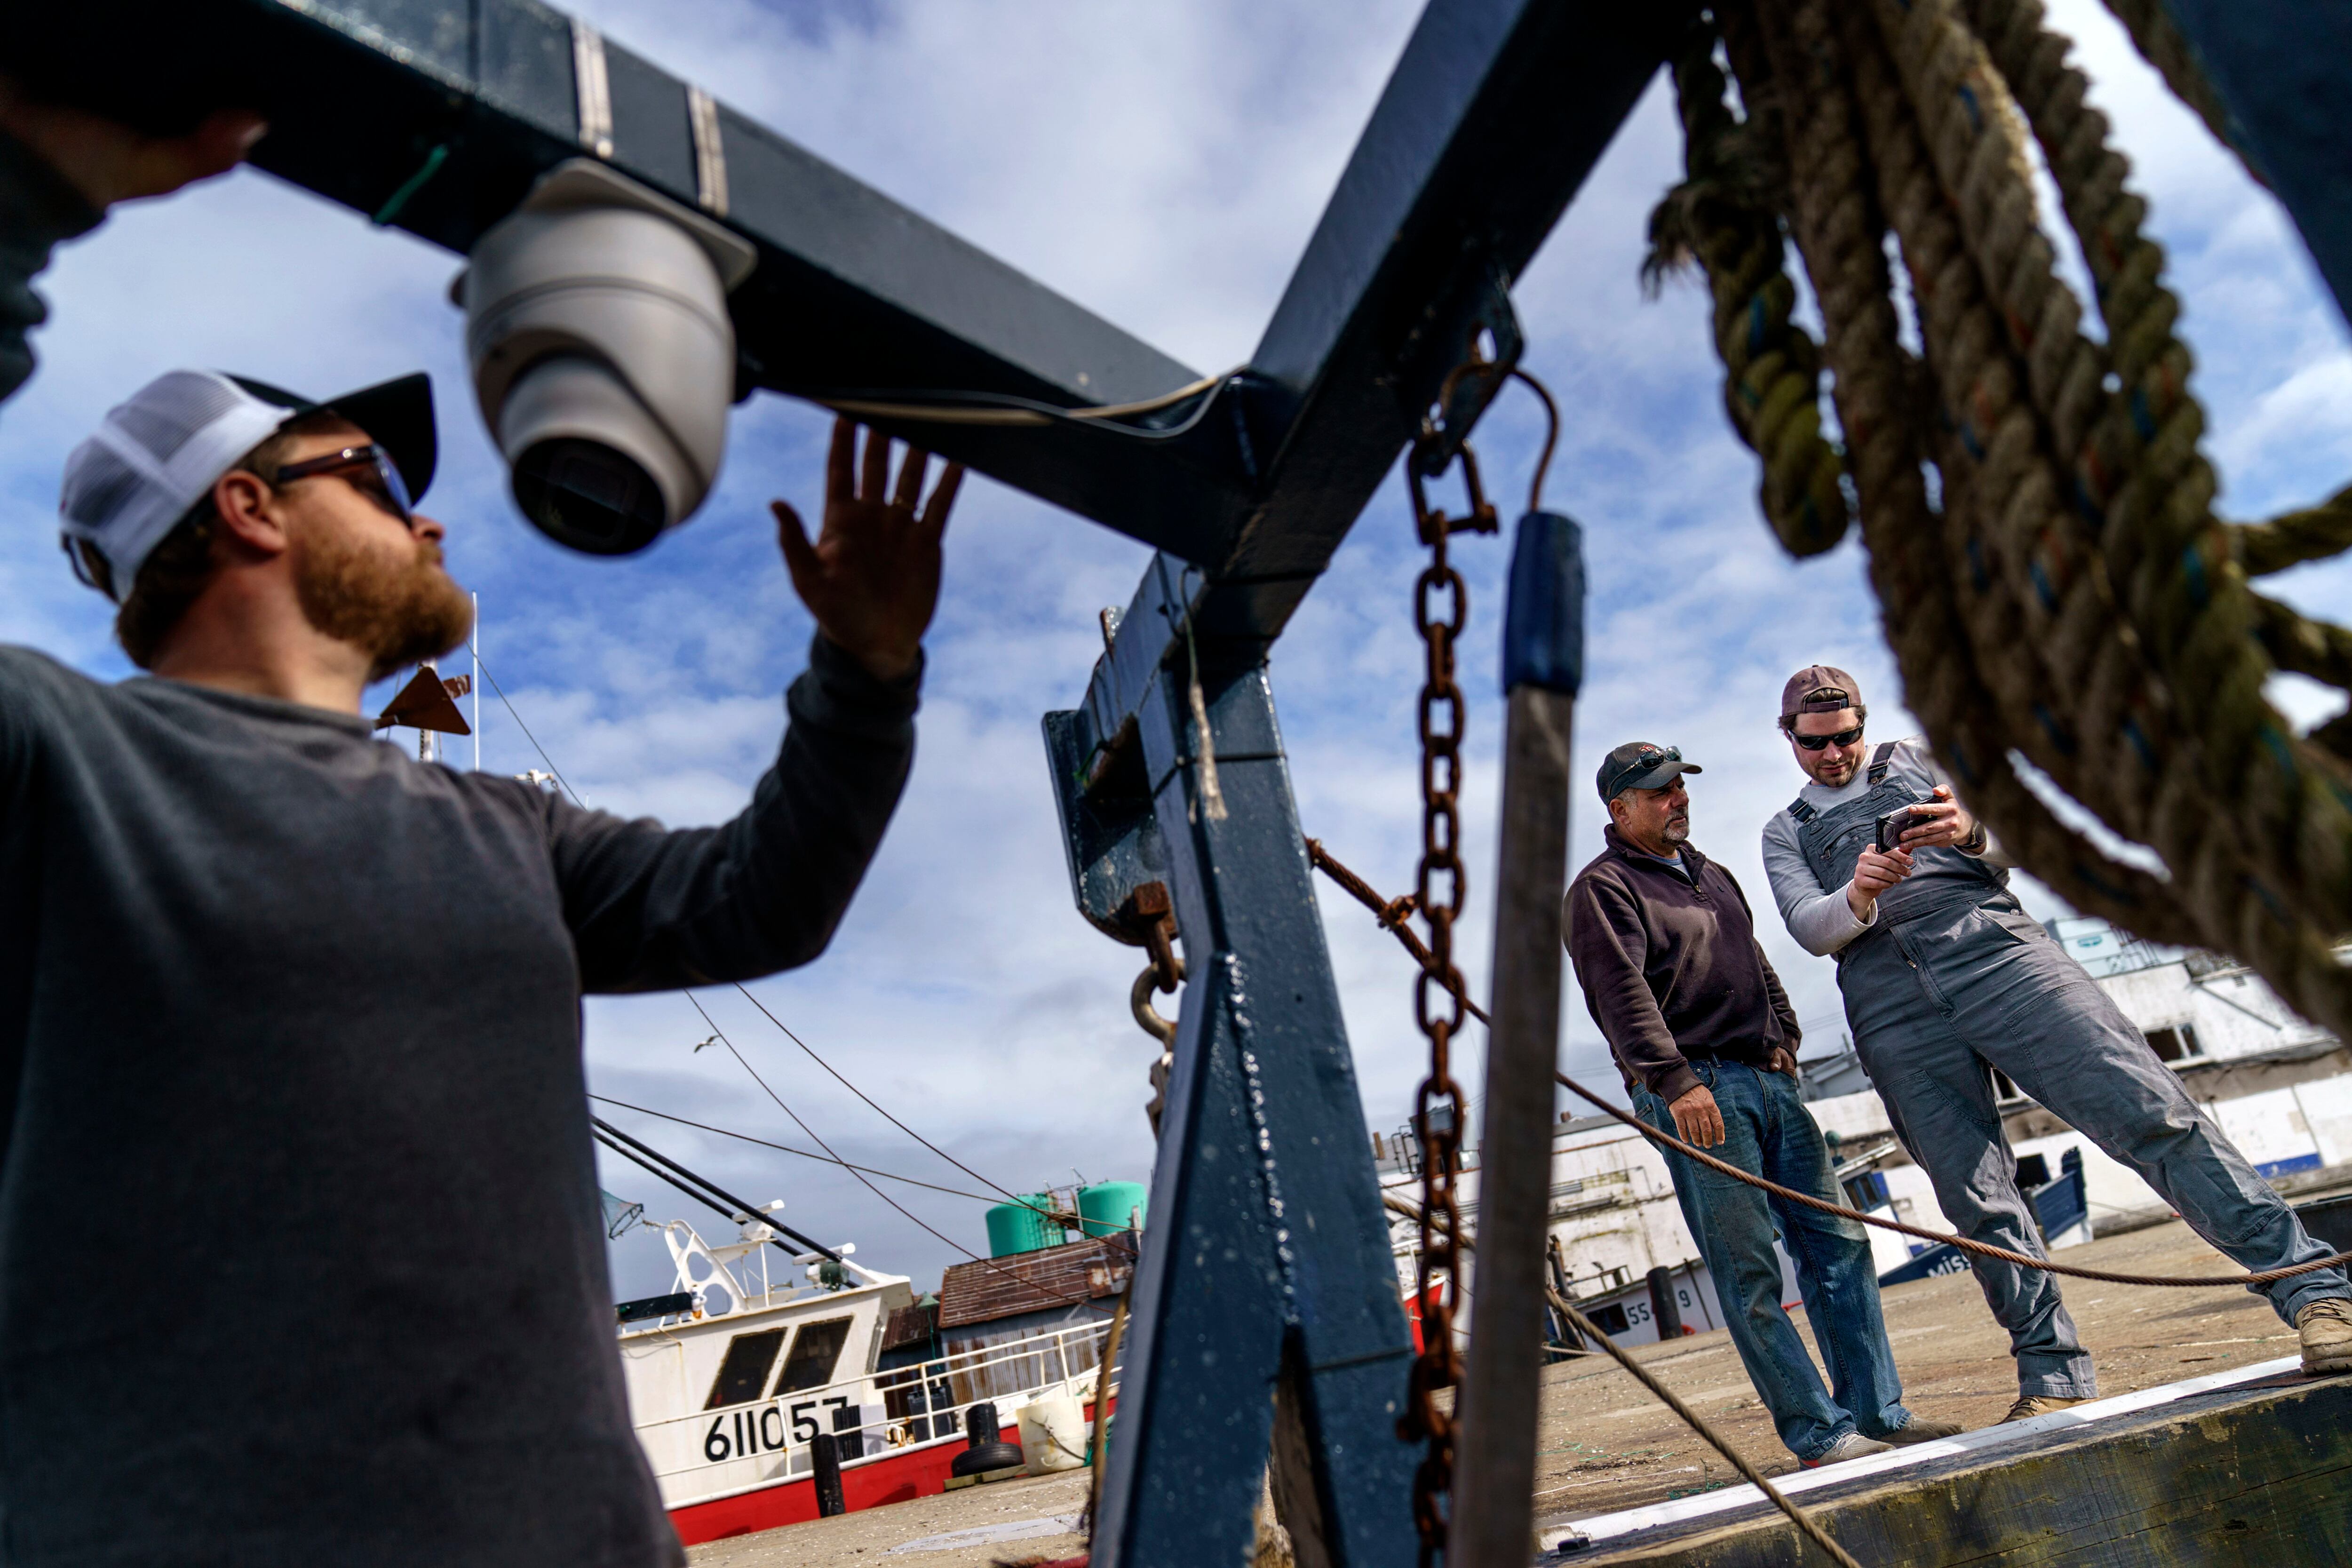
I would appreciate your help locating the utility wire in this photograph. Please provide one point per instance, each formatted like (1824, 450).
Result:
(908, 1213)
(705, 1199)
(527, 735)
(754, 1214)
(788, 1149)
(721, 1035)
(755, 1002)
(869, 1099)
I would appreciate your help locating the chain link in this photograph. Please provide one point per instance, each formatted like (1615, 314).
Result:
(1439, 892)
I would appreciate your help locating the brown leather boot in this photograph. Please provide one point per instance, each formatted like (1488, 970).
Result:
(2327, 1330)
(2030, 1405)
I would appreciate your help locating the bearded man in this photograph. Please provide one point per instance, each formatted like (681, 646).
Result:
(306, 1011)
(1945, 978)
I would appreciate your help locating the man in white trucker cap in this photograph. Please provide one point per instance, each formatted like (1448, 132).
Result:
(316, 1004)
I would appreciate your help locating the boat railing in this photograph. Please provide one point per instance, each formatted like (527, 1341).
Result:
(738, 1446)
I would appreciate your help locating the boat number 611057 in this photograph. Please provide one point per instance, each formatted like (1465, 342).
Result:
(744, 1433)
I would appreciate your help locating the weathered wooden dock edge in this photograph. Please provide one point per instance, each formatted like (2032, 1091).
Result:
(2260, 1476)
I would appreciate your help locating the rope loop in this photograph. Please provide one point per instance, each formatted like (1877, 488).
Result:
(2063, 600)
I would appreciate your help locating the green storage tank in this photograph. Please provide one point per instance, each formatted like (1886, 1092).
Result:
(1107, 1207)
(1022, 1225)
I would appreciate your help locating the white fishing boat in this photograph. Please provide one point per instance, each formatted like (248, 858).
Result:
(756, 1349)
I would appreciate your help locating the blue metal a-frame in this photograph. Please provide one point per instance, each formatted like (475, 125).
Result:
(1266, 1280)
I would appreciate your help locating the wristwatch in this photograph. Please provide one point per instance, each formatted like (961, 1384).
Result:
(1976, 843)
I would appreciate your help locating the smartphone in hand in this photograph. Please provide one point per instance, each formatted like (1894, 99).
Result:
(1891, 828)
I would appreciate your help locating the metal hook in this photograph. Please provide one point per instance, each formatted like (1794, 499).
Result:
(1551, 438)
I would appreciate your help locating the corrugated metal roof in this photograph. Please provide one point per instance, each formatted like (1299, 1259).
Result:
(910, 1325)
(1027, 1281)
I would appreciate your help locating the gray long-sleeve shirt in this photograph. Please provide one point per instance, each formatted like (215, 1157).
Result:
(300, 1254)
(1818, 917)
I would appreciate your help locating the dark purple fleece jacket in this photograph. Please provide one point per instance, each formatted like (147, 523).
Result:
(1670, 967)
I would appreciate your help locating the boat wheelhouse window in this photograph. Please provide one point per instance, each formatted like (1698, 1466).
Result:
(2174, 1045)
(815, 1350)
(744, 1372)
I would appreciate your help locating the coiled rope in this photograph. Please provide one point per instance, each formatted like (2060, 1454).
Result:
(1362, 892)
(2064, 596)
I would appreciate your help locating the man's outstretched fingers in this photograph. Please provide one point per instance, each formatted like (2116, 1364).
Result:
(841, 462)
(935, 516)
(874, 482)
(800, 555)
(909, 493)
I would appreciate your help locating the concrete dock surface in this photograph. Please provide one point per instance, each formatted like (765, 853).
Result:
(1606, 1444)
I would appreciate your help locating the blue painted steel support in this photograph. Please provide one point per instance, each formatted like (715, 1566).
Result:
(1267, 1253)
(2280, 67)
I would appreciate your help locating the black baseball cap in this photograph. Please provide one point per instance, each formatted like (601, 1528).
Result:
(398, 415)
(1641, 765)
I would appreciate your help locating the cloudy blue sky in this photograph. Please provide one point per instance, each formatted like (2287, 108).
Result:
(1163, 165)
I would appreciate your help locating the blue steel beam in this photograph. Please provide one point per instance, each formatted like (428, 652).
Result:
(1267, 1262)
(2279, 67)
(438, 114)
(1268, 1251)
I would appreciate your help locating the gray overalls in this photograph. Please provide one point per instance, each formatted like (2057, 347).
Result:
(1954, 977)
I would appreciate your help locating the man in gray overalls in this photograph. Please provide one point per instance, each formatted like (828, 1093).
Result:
(1945, 975)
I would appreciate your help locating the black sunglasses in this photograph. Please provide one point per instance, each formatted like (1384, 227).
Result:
(1815, 742)
(389, 491)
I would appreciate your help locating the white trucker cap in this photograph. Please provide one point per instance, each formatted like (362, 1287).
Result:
(157, 455)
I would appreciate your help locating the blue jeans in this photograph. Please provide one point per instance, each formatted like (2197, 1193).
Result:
(1768, 1131)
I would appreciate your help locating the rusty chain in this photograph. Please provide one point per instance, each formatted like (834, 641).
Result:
(1148, 919)
(1439, 892)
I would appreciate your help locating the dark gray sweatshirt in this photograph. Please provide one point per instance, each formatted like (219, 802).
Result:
(300, 1255)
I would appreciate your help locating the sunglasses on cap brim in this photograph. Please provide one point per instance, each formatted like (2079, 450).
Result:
(1642, 763)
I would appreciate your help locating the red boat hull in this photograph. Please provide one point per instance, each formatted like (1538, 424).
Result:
(865, 1483)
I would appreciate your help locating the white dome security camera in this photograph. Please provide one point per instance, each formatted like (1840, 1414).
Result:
(603, 354)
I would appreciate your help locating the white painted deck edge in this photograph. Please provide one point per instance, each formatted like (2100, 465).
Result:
(1608, 1526)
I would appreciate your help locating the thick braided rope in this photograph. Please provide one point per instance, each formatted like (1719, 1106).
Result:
(1841, 235)
(2007, 540)
(2313, 533)
(1771, 366)
(2287, 888)
(2055, 571)
(2004, 315)
(1965, 352)
(2061, 672)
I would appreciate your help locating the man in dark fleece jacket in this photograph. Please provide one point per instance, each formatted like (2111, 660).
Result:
(318, 1005)
(1665, 946)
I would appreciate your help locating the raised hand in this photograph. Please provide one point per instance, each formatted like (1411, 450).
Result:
(871, 576)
